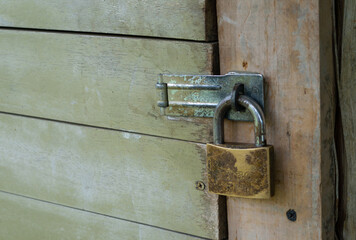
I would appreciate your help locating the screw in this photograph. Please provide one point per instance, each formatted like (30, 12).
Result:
(199, 185)
(291, 215)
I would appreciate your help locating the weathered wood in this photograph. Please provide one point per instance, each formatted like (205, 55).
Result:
(102, 81)
(26, 219)
(290, 43)
(183, 19)
(139, 178)
(347, 97)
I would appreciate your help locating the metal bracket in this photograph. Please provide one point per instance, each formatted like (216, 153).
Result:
(198, 95)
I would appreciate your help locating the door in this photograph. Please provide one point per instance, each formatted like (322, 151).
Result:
(85, 153)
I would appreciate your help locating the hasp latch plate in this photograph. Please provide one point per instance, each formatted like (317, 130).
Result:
(198, 95)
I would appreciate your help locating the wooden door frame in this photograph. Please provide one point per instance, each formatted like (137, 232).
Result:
(290, 43)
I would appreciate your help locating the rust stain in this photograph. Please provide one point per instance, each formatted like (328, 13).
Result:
(233, 172)
(245, 65)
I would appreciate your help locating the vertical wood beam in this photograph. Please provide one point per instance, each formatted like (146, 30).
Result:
(290, 43)
(347, 98)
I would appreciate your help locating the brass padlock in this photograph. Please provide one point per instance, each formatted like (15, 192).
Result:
(240, 170)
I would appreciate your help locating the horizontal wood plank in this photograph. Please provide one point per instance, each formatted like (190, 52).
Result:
(27, 219)
(102, 81)
(183, 19)
(139, 178)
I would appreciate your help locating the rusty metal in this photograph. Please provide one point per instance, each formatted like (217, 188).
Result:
(240, 170)
(198, 95)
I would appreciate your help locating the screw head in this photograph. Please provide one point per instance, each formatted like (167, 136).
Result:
(199, 185)
(291, 215)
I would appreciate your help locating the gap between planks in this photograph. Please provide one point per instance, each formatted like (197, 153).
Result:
(100, 214)
(101, 34)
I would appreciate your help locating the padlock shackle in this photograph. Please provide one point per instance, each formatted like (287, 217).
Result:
(258, 118)
(218, 121)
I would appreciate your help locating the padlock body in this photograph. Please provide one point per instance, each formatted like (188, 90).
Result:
(240, 170)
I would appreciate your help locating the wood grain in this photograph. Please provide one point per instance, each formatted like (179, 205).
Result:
(101, 81)
(347, 97)
(27, 219)
(183, 19)
(139, 178)
(290, 43)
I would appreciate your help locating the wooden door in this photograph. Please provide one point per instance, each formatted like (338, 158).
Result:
(84, 151)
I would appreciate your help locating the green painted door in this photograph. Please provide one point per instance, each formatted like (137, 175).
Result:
(84, 151)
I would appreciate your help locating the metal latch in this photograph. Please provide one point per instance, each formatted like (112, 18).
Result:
(198, 95)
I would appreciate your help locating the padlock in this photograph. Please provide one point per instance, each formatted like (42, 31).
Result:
(240, 170)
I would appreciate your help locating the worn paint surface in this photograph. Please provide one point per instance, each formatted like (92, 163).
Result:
(28, 219)
(182, 19)
(59, 67)
(289, 42)
(101, 81)
(240, 172)
(145, 179)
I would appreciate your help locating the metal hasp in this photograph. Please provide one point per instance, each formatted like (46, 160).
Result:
(199, 95)
(230, 102)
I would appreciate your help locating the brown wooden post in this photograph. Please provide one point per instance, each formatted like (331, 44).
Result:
(290, 43)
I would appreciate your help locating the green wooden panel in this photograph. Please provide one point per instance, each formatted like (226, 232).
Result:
(26, 219)
(102, 81)
(139, 178)
(183, 19)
